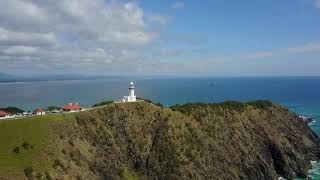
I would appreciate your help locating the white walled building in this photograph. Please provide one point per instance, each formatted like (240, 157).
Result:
(132, 97)
(40, 112)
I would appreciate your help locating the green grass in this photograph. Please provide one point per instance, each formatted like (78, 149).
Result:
(129, 175)
(33, 131)
(102, 103)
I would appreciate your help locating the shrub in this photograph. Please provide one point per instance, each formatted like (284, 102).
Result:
(12, 110)
(71, 142)
(27, 146)
(48, 177)
(39, 175)
(28, 172)
(51, 108)
(128, 174)
(57, 163)
(71, 154)
(234, 105)
(77, 162)
(16, 150)
(261, 104)
(185, 109)
(158, 104)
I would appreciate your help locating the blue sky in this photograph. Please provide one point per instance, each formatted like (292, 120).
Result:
(164, 37)
(232, 29)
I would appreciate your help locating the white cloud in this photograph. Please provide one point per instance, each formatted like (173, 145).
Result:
(178, 5)
(305, 48)
(22, 38)
(98, 36)
(20, 51)
(22, 15)
(317, 3)
(84, 34)
(108, 61)
(83, 19)
(172, 53)
(309, 47)
(256, 55)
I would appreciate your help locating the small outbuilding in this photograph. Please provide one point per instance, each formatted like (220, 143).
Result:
(72, 107)
(40, 112)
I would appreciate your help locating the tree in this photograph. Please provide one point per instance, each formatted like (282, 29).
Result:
(51, 108)
(12, 110)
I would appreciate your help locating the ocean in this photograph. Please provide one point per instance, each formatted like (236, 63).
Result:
(300, 94)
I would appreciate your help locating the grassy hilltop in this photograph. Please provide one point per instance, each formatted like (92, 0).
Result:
(257, 140)
(24, 143)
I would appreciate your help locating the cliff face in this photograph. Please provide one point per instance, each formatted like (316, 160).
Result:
(193, 141)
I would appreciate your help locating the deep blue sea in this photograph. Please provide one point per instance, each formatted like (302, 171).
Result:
(300, 94)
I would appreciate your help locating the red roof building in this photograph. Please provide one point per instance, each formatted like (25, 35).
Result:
(72, 107)
(3, 114)
(40, 111)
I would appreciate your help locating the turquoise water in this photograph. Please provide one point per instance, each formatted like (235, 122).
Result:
(300, 94)
(314, 173)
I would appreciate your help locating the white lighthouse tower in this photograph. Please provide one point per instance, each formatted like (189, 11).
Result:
(132, 97)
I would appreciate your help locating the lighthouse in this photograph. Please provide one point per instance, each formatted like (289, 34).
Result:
(132, 97)
(131, 89)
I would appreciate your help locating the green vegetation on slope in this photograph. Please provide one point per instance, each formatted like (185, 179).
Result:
(13, 110)
(228, 105)
(51, 108)
(255, 140)
(103, 103)
(22, 143)
(149, 101)
(231, 140)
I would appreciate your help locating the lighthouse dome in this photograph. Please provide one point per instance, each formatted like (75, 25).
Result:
(131, 83)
